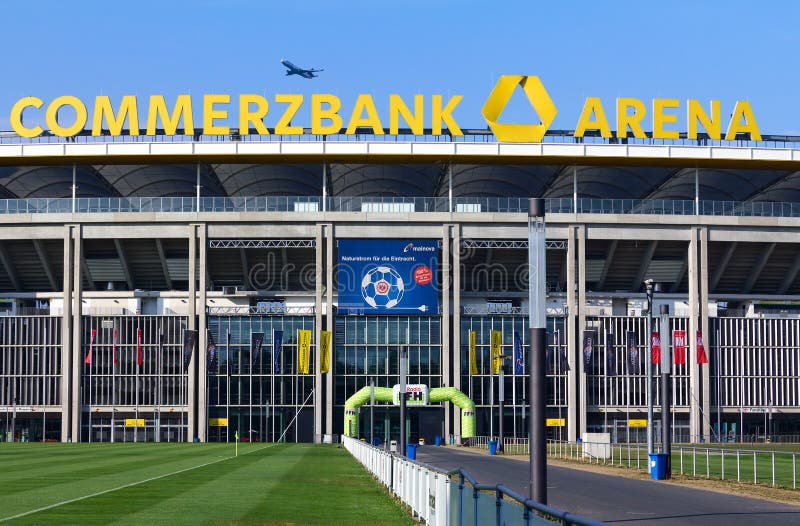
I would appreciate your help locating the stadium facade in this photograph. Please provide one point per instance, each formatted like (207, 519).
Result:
(119, 245)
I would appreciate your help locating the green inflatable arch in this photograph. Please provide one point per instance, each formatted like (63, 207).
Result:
(437, 394)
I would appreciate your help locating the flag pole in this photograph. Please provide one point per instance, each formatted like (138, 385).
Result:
(236, 446)
(136, 401)
(228, 384)
(91, 393)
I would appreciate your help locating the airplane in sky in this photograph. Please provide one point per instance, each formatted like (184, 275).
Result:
(294, 70)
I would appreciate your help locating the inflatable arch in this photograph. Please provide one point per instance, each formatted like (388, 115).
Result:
(384, 394)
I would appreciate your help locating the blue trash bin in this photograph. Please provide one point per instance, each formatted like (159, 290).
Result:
(658, 466)
(376, 442)
(493, 447)
(438, 440)
(411, 451)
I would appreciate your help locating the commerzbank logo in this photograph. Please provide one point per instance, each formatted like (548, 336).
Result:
(537, 96)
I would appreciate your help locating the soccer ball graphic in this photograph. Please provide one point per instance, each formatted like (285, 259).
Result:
(382, 287)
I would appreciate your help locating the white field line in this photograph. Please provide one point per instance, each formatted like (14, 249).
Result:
(77, 499)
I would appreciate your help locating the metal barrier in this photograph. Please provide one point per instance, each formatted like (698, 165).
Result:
(774, 468)
(392, 205)
(436, 499)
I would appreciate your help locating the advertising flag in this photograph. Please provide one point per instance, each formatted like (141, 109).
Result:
(114, 345)
(701, 350)
(656, 339)
(563, 362)
(91, 342)
(303, 350)
(633, 352)
(496, 346)
(189, 341)
(679, 342)
(611, 359)
(519, 361)
(324, 352)
(212, 361)
(160, 345)
(473, 358)
(256, 341)
(588, 348)
(277, 345)
(138, 346)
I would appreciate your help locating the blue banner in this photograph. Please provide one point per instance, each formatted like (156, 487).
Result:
(277, 345)
(388, 276)
(519, 362)
(256, 340)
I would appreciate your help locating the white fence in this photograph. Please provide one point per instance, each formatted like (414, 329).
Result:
(438, 499)
(425, 490)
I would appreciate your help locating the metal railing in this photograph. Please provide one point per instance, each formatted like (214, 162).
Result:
(470, 135)
(393, 205)
(435, 499)
(773, 468)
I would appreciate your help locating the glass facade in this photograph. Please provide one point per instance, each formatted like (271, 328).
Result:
(247, 393)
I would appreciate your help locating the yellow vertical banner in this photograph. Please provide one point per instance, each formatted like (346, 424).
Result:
(324, 351)
(497, 361)
(303, 350)
(473, 359)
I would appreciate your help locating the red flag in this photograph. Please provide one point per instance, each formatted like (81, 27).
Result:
(138, 346)
(89, 354)
(656, 348)
(114, 346)
(701, 350)
(679, 341)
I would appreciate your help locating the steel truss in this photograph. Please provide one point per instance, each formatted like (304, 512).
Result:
(554, 244)
(261, 243)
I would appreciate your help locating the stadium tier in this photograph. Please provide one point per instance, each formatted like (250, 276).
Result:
(174, 288)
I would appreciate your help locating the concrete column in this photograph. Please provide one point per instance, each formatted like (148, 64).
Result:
(202, 360)
(704, 330)
(691, 343)
(66, 337)
(445, 325)
(318, 274)
(571, 340)
(329, 324)
(456, 352)
(581, 327)
(191, 324)
(77, 287)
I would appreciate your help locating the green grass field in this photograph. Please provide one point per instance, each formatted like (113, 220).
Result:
(189, 484)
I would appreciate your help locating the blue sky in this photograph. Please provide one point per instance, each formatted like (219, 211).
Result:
(725, 50)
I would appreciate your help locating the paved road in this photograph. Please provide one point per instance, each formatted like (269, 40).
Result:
(617, 500)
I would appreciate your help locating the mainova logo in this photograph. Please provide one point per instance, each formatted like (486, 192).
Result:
(539, 99)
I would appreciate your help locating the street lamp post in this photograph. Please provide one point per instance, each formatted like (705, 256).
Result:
(650, 288)
(666, 395)
(403, 372)
(536, 355)
(372, 411)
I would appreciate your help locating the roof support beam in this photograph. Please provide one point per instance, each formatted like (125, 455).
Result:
(791, 275)
(681, 275)
(607, 266)
(644, 264)
(10, 269)
(163, 259)
(42, 253)
(723, 266)
(126, 269)
(85, 272)
(245, 269)
(757, 268)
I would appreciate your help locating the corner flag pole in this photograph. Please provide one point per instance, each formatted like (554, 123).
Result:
(236, 447)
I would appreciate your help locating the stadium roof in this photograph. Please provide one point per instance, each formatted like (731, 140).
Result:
(403, 180)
